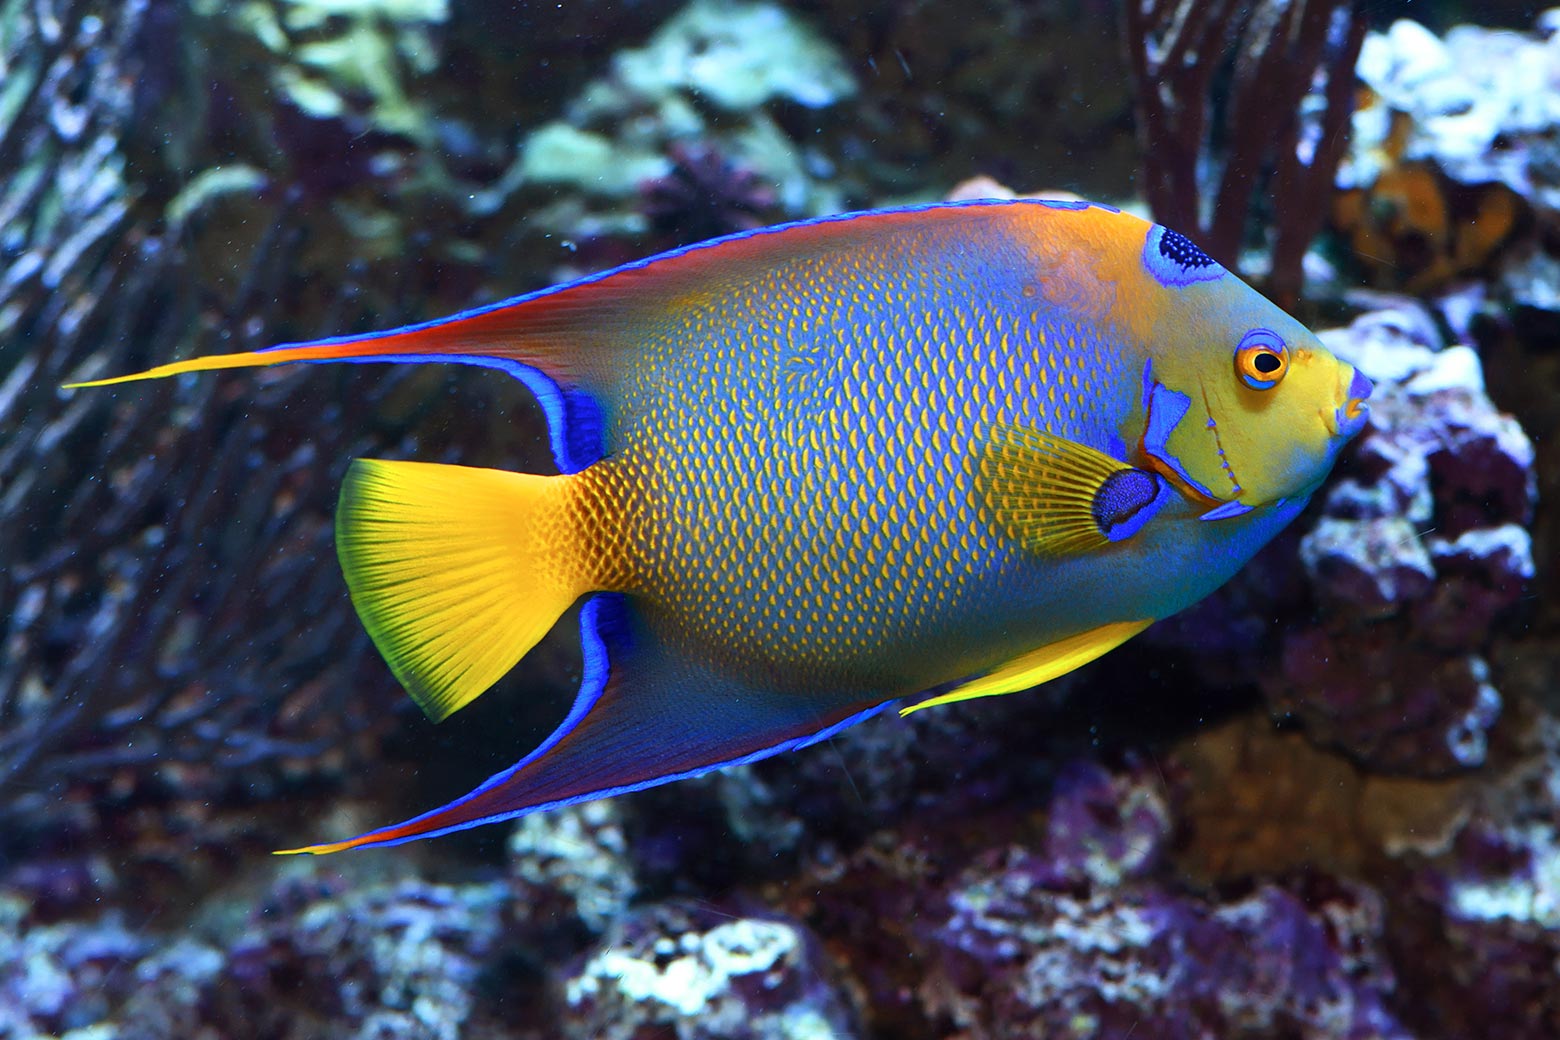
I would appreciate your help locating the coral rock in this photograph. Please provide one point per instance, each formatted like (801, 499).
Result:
(1104, 828)
(1418, 556)
(571, 867)
(1370, 567)
(701, 975)
(1491, 905)
(62, 977)
(1400, 708)
(1013, 957)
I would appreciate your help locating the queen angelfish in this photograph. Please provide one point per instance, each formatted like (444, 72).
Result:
(811, 473)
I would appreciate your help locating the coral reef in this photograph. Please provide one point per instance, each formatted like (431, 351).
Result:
(1021, 959)
(943, 92)
(1463, 870)
(701, 974)
(1321, 804)
(1449, 153)
(1492, 895)
(704, 195)
(330, 58)
(393, 960)
(1071, 928)
(570, 872)
(313, 956)
(1478, 103)
(688, 125)
(1451, 172)
(1421, 550)
(55, 979)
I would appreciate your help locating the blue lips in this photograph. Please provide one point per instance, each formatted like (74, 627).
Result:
(1350, 417)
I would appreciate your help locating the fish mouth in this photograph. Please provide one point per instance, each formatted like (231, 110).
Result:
(1349, 418)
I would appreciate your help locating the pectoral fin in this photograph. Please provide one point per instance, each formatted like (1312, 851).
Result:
(1042, 665)
(1058, 497)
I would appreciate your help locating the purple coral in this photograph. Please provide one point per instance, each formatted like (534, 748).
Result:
(1104, 828)
(1078, 940)
(61, 977)
(1023, 960)
(396, 960)
(1491, 900)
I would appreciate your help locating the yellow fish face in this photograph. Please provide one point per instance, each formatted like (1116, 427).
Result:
(1245, 406)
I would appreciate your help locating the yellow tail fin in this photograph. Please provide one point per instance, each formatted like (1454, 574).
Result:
(456, 572)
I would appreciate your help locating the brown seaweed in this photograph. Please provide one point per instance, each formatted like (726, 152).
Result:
(1260, 141)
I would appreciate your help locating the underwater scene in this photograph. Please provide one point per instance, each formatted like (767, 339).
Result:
(832, 521)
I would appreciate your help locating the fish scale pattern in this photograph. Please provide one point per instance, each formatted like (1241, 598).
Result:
(804, 492)
(845, 462)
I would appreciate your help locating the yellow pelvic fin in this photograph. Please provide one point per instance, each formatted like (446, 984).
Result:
(1042, 665)
(1043, 488)
(455, 571)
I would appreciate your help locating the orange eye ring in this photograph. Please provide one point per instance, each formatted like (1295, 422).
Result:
(1261, 360)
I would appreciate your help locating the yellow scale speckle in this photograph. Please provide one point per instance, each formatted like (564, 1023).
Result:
(816, 469)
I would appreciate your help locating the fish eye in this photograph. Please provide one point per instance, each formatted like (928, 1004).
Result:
(1261, 359)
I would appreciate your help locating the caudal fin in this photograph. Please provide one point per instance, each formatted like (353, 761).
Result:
(456, 571)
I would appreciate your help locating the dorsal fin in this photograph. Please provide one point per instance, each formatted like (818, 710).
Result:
(572, 343)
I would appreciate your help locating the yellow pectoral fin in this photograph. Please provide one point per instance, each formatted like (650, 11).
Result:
(1057, 497)
(1042, 665)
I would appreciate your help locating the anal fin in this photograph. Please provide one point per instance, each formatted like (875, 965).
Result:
(1040, 666)
(643, 717)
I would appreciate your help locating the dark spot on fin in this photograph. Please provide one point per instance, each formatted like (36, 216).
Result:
(1058, 497)
(1126, 501)
(1176, 261)
(1182, 251)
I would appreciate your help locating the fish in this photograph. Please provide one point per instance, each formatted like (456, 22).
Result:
(812, 473)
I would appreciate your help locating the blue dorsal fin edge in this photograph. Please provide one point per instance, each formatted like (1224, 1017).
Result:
(575, 418)
(572, 344)
(696, 247)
